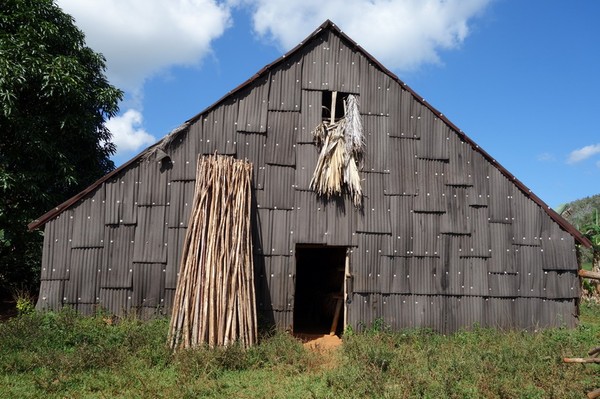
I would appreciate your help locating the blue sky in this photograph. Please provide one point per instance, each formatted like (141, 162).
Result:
(519, 77)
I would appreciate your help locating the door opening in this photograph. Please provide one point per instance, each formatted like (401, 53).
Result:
(320, 274)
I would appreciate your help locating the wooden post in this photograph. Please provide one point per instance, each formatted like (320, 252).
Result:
(347, 276)
(336, 316)
(581, 360)
(333, 101)
(594, 394)
(588, 274)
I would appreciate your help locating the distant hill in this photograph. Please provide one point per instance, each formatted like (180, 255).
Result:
(582, 211)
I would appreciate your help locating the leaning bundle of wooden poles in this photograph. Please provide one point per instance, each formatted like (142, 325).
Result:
(214, 302)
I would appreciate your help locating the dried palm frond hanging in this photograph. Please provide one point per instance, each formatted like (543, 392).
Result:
(341, 145)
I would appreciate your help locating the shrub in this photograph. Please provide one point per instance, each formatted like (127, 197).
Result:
(25, 303)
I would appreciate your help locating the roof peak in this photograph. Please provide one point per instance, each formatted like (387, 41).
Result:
(328, 24)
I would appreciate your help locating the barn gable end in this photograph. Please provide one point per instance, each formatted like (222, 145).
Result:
(445, 238)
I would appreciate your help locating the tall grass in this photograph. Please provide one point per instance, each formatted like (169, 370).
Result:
(474, 364)
(63, 354)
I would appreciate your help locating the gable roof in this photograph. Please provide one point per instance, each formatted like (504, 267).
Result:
(330, 26)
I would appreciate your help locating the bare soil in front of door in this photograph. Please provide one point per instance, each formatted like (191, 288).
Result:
(319, 342)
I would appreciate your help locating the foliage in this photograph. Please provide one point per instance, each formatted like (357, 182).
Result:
(54, 100)
(64, 354)
(581, 212)
(592, 231)
(25, 303)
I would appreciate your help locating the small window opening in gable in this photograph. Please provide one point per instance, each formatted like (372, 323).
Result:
(333, 106)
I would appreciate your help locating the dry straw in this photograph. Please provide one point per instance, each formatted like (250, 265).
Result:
(341, 146)
(214, 301)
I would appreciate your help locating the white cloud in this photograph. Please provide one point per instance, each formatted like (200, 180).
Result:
(583, 153)
(402, 34)
(140, 38)
(128, 133)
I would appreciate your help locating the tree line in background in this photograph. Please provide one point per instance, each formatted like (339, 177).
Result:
(584, 214)
(54, 100)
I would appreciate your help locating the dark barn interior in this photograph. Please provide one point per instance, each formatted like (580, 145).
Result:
(319, 285)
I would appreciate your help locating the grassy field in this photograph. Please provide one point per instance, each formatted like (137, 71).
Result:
(58, 355)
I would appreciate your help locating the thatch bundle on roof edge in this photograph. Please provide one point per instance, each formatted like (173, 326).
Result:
(341, 150)
(160, 147)
(214, 301)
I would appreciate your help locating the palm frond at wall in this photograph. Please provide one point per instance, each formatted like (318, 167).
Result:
(341, 149)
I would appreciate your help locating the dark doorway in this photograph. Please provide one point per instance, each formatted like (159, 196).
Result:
(319, 285)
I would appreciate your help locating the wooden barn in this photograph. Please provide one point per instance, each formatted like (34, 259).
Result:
(445, 237)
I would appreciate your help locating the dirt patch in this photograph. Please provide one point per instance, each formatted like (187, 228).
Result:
(325, 347)
(320, 342)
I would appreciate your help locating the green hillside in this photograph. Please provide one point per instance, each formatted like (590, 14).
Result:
(581, 212)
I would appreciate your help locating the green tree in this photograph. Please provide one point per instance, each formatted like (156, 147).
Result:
(54, 100)
(583, 214)
(592, 231)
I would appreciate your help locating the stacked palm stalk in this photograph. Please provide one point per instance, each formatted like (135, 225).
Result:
(341, 146)
(214, 301)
